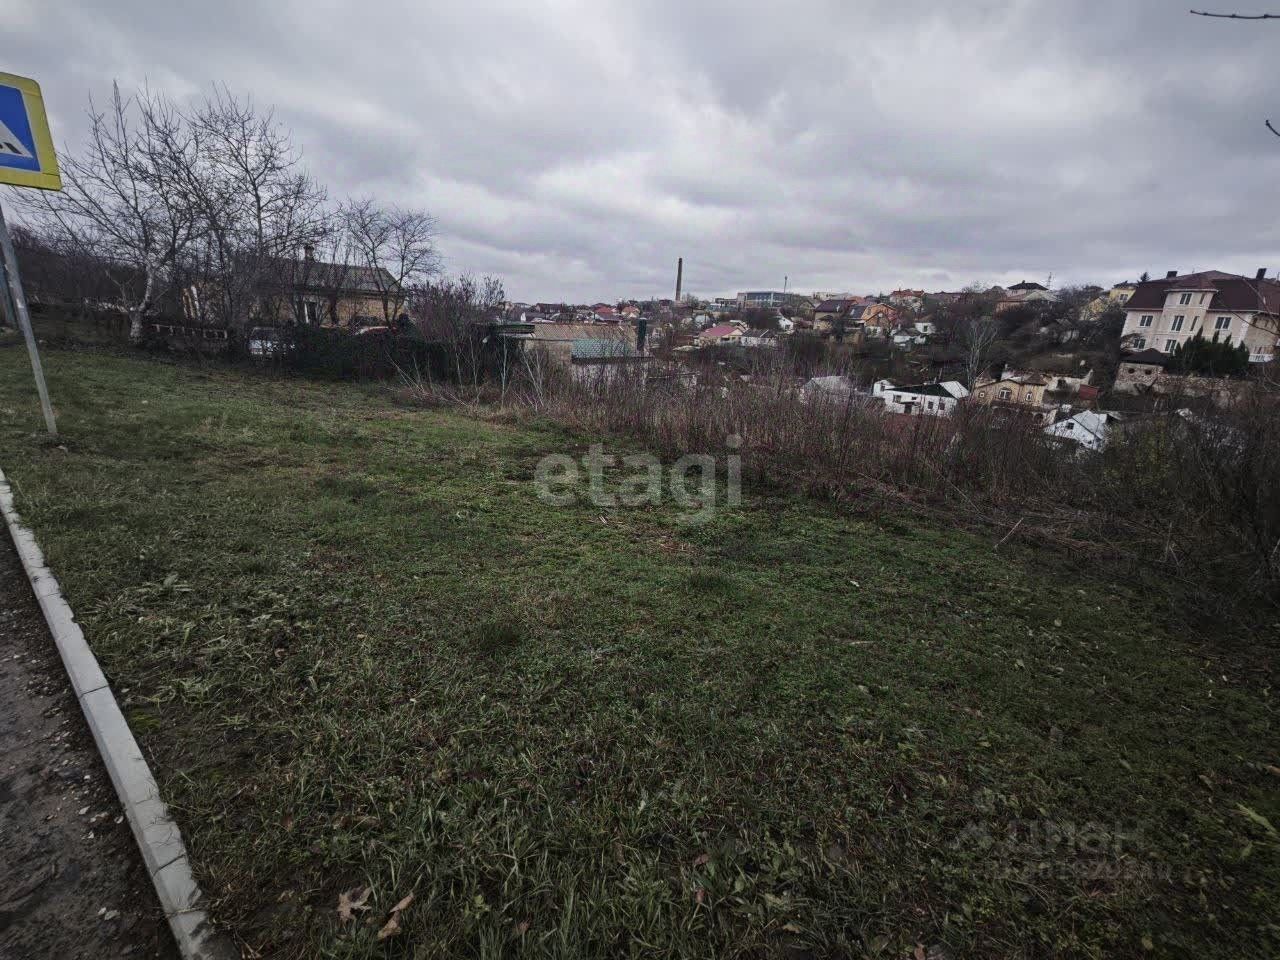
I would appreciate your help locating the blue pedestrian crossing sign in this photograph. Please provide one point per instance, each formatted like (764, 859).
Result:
(26, 148)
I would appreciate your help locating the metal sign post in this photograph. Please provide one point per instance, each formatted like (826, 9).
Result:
(18, 300)
(27, 159)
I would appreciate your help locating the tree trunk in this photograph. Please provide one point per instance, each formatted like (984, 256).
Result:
(136, 313)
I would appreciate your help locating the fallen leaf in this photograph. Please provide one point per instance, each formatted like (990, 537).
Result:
(699, 895)
(919, 952)
(287, 823)
(357, 898)
(701, 859)
(390, 928)
(522, 928)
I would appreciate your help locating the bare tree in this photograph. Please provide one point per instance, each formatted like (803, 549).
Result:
(396, 245)
(977, 337)
(455, 315)
(260, 207)
(121, 201)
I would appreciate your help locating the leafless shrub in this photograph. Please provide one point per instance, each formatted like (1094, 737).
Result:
(1190, 496)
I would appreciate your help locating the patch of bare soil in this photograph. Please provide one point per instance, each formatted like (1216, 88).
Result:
(72, 884)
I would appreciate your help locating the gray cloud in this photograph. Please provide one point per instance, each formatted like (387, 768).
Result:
(577, 147)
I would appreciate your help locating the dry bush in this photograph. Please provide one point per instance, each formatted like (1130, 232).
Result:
(1187, 495)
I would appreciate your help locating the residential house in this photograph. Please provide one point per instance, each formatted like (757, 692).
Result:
(928, 399)
(1023, 293)
(908, 337)
(1089, 428)
(851, 312)
(759, 338)
(907, 299)
(604, 359)
(555, 311)
(721, 333)
(835, 387)
(317, 293)
(828, 311)
(1063, 378)
(1121, 292)
(878, 318)
(1164, 313)
(605, 312)
(630, 312)
(1117, 296)
(1018, 393)
(558, 339)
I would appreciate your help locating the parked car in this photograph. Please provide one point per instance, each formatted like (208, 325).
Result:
(267, 342)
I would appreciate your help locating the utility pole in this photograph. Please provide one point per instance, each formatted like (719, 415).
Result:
(17, 302)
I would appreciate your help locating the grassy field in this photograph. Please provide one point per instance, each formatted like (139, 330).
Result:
(360, 651)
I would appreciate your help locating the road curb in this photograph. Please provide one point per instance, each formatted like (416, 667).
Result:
(158, 836)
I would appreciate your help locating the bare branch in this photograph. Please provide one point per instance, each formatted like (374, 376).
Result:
(1237, 16)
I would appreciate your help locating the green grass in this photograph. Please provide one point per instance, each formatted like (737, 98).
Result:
(358, 650)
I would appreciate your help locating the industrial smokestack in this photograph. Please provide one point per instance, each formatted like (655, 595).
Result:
(679, 278)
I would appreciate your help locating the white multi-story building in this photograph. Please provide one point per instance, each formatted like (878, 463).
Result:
(1164, 313)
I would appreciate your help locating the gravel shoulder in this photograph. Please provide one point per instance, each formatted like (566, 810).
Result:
(72, 883)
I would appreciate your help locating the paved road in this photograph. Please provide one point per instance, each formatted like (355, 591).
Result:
(72, 883)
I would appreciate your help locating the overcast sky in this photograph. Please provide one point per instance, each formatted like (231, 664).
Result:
(577, 147)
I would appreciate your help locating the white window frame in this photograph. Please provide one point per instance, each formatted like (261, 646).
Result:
(1184, 299)
(1146, 320)
(1169, 345)
(1222, 323)
(1178, 321)
(1139, 343)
